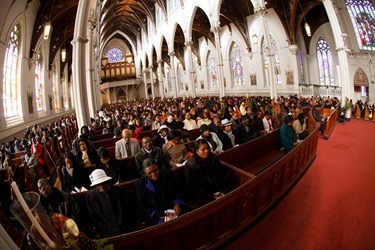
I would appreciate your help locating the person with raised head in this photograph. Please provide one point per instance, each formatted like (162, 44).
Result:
(157, 191)
(56, 201)
(31, 161)
(170, 121)
(107, 206)
(204, 174)
(161, 137)
(156, 123)
(189, 123)
(127, 146)
(86, 154)
(72, 175)
(150, 151)
(175, 151)
(213, 140)
(226, 136)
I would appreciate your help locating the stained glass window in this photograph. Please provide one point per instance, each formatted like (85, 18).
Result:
(325, 63)
(39, 84)
(55, 90)
(172, 4)
(211, 70)
(115, 55)
(236, 64)
(11, 83)
(300, 60)
(276, 63)
(362, 14)
(169, 80)
(180, 77)
(195, 67)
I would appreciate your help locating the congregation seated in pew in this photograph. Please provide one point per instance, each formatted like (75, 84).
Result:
(157, 191)
(127, 146)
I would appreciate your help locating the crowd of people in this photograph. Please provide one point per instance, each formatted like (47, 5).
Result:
(223, 124)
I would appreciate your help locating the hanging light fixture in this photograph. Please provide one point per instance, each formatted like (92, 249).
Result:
(47, 25)
(307, 26)
(63, 50)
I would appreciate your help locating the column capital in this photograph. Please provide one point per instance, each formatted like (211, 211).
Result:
(145, 71)
(171, 53)
(189, 43)
(159, 61)
(151, 67)
(79, 39)
(215, 29)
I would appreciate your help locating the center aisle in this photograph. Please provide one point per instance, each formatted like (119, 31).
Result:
(332, 206)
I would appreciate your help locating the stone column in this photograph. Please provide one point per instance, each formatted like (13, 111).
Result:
(152, 81)
(220, 71)
(262, 12)
(160, 78)
(91, 88)
(341, 50)
(191, 68)
(79, 65)
(145, 81)
(174, 83)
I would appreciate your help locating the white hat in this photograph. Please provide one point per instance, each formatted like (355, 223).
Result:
(98, 176)
(163, 127)
(225, 122)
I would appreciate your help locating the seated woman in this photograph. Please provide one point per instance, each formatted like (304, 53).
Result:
(86, 155)
(216, 146)
(112, 167)
(157, 191)
(72, 175)
(288, 137)
(299, 126)
(204, 174)
(175, 151)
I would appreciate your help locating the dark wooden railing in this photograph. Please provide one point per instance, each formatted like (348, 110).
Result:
(332, 116)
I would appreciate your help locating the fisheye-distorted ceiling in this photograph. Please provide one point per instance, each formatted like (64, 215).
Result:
(130, 17)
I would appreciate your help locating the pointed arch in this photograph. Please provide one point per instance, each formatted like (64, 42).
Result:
(325, 63)
(360, 78)
(236, 64)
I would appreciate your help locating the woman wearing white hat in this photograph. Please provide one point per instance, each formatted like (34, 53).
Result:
(107, 206)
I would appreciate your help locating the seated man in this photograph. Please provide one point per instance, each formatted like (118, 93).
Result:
(56, 201)
(127, 146)
(150, 151)
(107, 206)
(32, 163)
(157, 192)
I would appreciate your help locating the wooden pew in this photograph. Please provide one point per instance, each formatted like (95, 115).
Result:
(367, 113)
(237, 178)
(103, 137)
(259, 153)
(332, 117)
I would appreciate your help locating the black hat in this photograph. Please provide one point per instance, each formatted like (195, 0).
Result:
(203, 128)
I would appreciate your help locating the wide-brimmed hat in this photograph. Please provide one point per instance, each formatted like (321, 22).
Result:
(225, 122)
(98, 176)
(163, 127)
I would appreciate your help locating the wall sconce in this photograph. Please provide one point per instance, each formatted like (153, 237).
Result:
(47, 29)
(255, 39)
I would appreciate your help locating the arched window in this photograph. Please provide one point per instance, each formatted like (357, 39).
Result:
(169, 80)
(65, 94)
(237, 67)
(172, 4)
(180, 77)
(325, 63)
(362, 14)
(10, 79)
(276, 58)
(115, 55)
(55, 90)
(39, 83)
(195, 68)
(211, 70)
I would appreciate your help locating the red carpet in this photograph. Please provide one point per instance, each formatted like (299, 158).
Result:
(332, 206)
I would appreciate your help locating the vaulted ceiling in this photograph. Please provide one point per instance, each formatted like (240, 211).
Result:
(130, 17)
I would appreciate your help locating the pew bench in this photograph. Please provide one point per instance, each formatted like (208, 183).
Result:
(257, 155)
